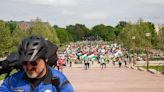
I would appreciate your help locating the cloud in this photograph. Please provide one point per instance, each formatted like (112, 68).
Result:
(95, 15)
(67, 12)
(89, 12)
(152, 1)
(51, 2)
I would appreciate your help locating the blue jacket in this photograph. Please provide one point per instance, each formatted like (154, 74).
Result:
(55, 81)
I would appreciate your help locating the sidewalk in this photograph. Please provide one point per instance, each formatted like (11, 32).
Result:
(113, 79)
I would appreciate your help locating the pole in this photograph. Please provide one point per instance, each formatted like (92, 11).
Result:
(147, 58)
(147, 34)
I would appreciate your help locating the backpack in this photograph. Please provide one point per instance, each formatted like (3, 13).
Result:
(51, 55)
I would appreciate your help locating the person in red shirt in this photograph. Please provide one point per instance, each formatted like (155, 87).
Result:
(61, 64)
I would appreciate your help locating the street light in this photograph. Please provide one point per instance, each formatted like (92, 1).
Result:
(147, 51)
(46, 38)
(133, 38)
(133, 58)
(147, 34)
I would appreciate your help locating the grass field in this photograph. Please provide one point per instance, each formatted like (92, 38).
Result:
(158, 68)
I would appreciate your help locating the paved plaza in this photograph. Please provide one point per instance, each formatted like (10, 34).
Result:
(114, 79)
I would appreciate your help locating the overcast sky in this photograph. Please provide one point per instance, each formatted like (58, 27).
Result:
(88, 12)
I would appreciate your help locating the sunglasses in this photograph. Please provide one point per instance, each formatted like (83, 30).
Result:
(33, 63)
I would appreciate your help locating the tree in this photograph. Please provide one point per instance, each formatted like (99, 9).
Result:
(62, 35)
(5, 39)
(154, 38)
(111, 36)
(18, 35)
(45, 30)
(12, 25)
(161, 38)
(72, 32)
(99, 30)
(119, 27)
(82, 31)
(138, 30)
(105, 32)
(77, 31)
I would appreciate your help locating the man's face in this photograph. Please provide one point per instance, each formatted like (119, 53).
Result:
(34, 69)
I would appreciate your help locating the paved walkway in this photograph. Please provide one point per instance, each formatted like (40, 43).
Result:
(113, 79)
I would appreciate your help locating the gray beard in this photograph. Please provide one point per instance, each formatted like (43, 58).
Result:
(36, 75)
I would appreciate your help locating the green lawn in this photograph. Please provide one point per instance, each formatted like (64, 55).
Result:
(158, 68)
(156, 58)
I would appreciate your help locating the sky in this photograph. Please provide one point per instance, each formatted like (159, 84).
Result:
(88, 12)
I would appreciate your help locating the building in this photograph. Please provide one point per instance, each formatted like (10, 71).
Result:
(26, 25)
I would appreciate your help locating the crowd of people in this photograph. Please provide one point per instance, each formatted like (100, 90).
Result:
(103, 53)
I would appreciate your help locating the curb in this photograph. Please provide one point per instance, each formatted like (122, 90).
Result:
(133, 67)
(153, 71)
(141, 69)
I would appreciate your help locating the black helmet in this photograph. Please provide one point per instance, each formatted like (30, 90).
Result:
(32, 48)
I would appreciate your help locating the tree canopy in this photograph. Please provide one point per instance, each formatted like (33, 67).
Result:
(130, 35)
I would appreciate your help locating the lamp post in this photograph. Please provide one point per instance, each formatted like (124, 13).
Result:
(147, 51)
(46, 38)
(133, 58)
(133, 38)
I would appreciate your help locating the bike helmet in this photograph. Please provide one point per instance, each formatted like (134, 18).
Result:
(32, 48)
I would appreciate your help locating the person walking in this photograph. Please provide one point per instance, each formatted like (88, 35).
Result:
(102, 61)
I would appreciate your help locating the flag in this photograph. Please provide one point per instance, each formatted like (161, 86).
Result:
(79, 54)
(92, 56)
(84, 56)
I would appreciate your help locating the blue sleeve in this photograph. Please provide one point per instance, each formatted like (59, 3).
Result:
(5, 86)
(66, 87)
